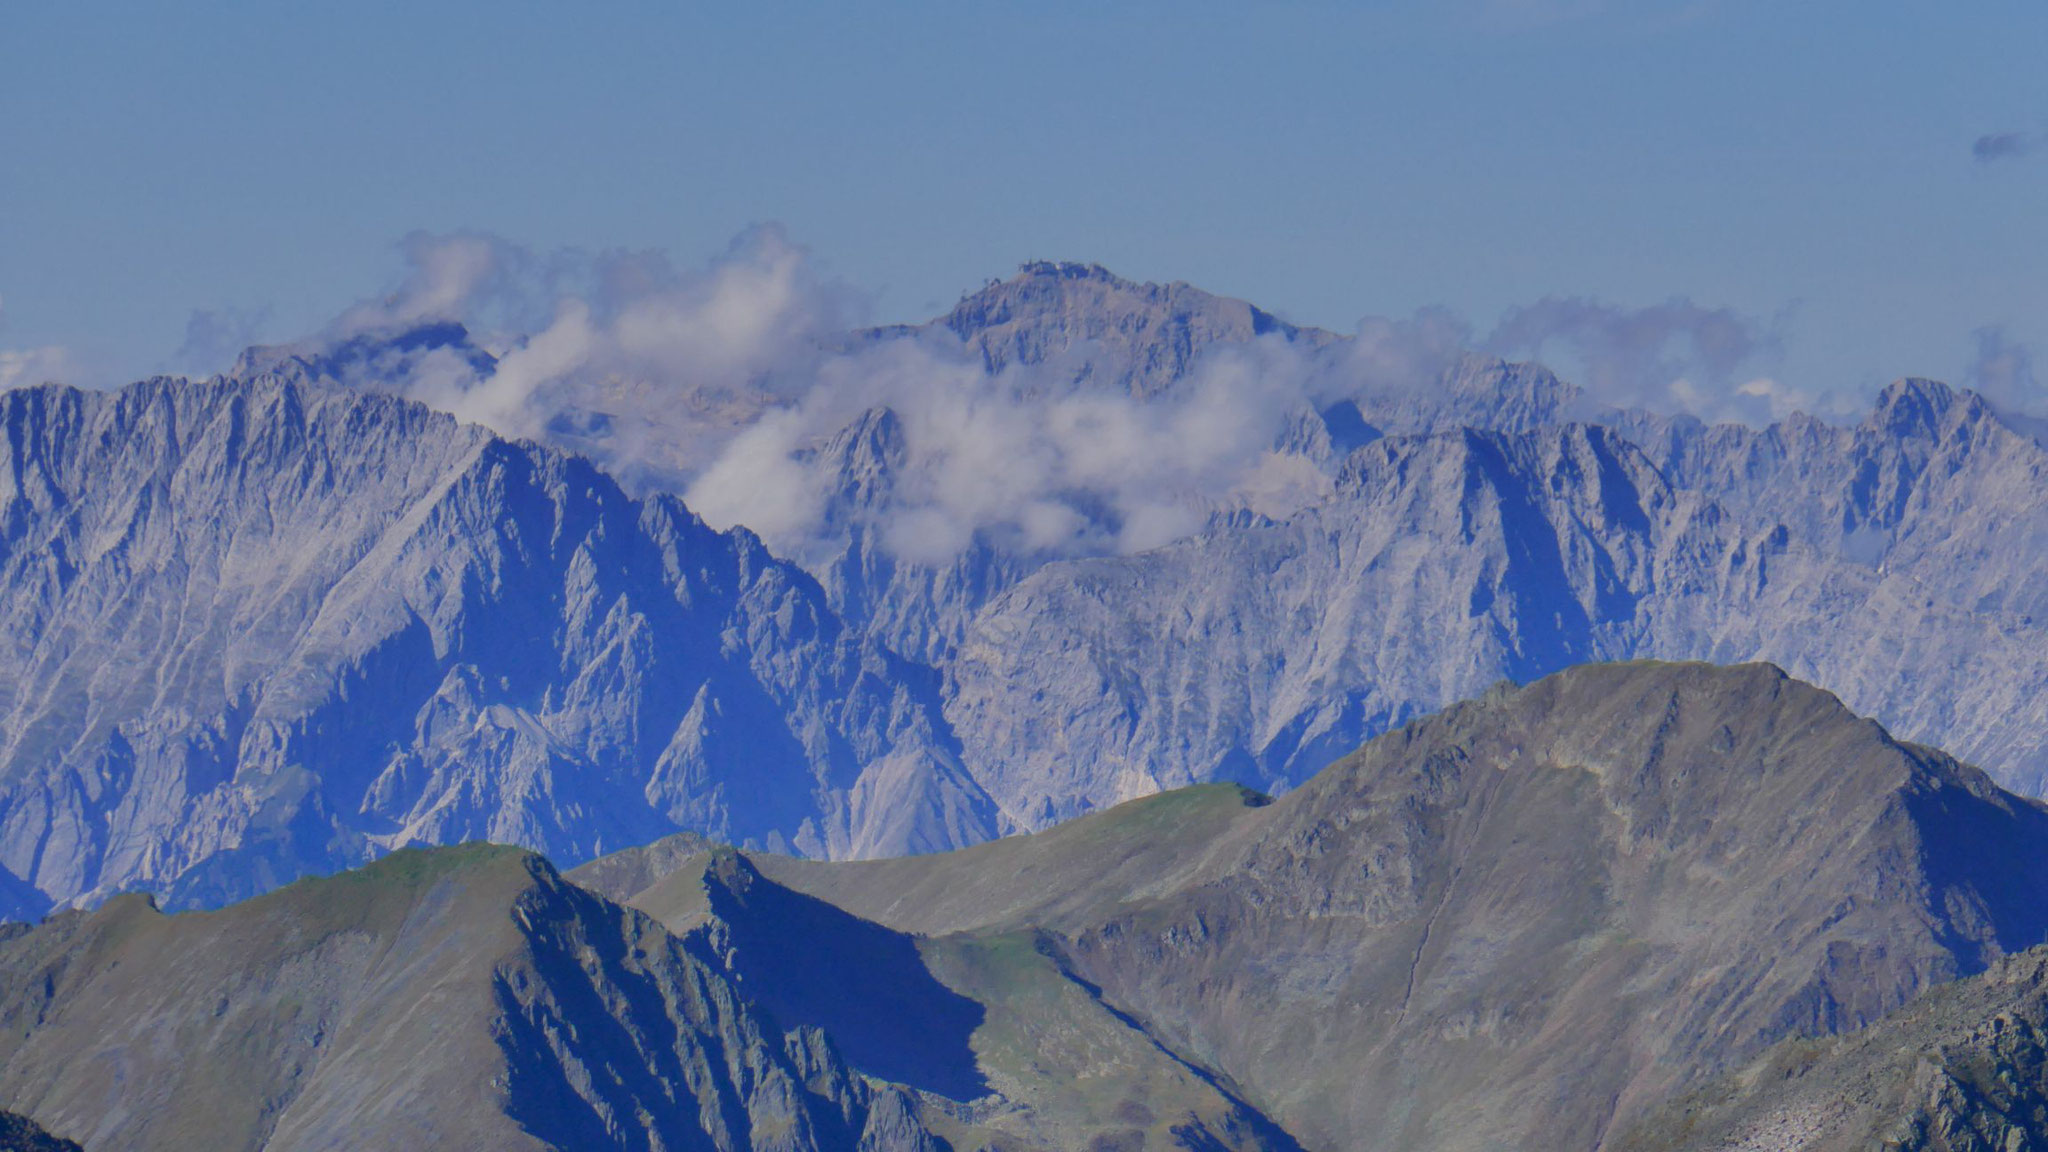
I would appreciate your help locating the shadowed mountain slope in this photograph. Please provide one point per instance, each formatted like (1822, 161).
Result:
(1515, 923)
(20, 1134)
(1026, 1054)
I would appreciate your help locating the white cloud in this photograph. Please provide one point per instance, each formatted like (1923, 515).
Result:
(2003, 369)
(1676, 356)
(569, 329)
(1042, 465)
(728, 381)
(214, 337)
(447, 275)
(27, 367)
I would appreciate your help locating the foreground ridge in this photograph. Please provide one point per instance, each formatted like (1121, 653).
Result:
(1520, 922)
(1532, 920)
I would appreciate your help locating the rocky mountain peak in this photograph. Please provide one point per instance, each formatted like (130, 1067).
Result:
(863, 460)
(378, 358)
(1135, 337)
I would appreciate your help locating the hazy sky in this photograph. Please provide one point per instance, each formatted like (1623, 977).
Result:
(1869, 178)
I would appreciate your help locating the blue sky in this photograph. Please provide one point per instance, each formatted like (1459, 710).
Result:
(1813, 166)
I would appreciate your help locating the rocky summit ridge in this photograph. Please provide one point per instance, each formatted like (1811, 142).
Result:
(1517, 527)
(1488, 521)
(1962, 1069)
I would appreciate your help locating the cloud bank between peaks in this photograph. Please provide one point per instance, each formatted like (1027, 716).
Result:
(745, 384)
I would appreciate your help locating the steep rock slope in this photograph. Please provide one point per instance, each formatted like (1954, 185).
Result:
(1261, 651)
(449, 998)
(1851, 555)
(1084, 325)
(1890, 562)
(1923, 528)
(1520, 922)
(253, 628)
(1532, 920)
(1963, 1069)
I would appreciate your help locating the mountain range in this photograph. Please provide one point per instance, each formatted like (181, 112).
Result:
(281, 622)
(1504, 782)
(256, 628)
(1625, 906)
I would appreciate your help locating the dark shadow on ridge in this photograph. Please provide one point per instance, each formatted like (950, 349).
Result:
(1985, 846)
(814, 964)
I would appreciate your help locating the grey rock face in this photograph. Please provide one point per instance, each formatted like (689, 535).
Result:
(1893, 562)
(1963, 1069)
(920, 610)
(991, 1042)
(252, 636)
(1102, 330)
(1088, 327)
(257, 628)
(1260, 652)
(1896, 561)
(1532, 920)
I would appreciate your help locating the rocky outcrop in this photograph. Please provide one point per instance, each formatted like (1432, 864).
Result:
(1963, 1069)
(259, 626)
(1063, 327)
(1262, 651)
(1006, 1046)
(1098, 329)
(1550, 917)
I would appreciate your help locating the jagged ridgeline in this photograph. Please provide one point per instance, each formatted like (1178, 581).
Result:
(257, 628)
(1551, 918)
(1505, 525)
(1472, 530)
